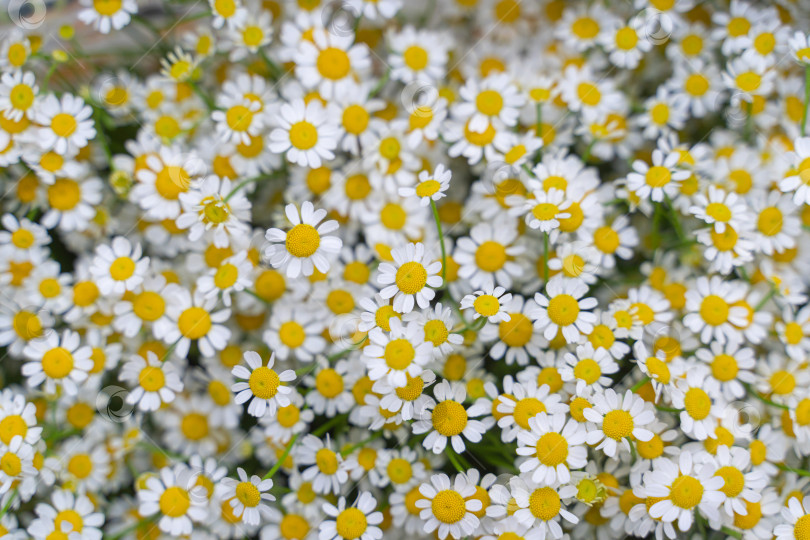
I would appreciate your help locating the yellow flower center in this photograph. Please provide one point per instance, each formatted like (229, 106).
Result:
(714, 310)
(63, 124)
(303, 241)
(517, 331)
(149, 306)
(544, 503)
(696, 84)
(239, 118)
(525, 409)
(585, 28)
(486, 305)
(589, 94)
(174, 502)
(449, 418)
(11, 464)
(436, 332)
(399, 470)
(327, 461)
(412, 389)
(769, 221)
(21, 97)
(264, 382)
(333, 63)
(618, 424)
(329, 383)
(252, 36)
(194, 323)
(697, 402)
(411, 277)
(686, 492)
(151, 378)
(782, 382)
(64, 194)
(107, 8)
(490, 256)
(292, 334)
(552, 449)
(724, 367)
(563, 310)
(57, 363)
(226, 276)
(734, 480)
(657, 176)
(355, 119)
(293, 527)
(448, 506)
(428, 188)
(588, 370)
(303, 135)
(489, 102)
(748, 81)
(415, 57)
(80, 466)
(658, 369)
(654, 448)
(248, 494)
(72, 517)
(27, 325)
(122, 268)
(194, 426)
(626, 39)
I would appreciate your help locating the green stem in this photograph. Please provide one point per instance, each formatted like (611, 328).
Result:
(240, 185)
(675, 219)
(730, 532)
(749, 121)
(639, 384)
(209, 101)
(545, 257)
(453, 457)
(344, 352)
(332, 422)
(380, 84)
(800, 472)
(538, 129)
(765, 299)
(441, 239)
(283, 457)
(803, 128)
(132, 528)
(11, 500)
(668, 409)
(632, 449)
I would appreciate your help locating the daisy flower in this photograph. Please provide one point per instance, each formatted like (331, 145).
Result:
(401, 353)
(67, 515)
(493, 100)
(233, 275)
(563, 309)
(448, 507)
(731, 367)
(447, 418)
(538, 506)
(58, 362)
(798, 179)
(214, 206)
(67, 123)
(488, 255)
(741, 485)
(618, 418)
(520, 402)
(307, 133)
(490, 303)
(176, 498)
(307, 245)
(437, 324)
(431, 187)
(657, 181)
(193, 319)
(119, 267)
(106, 15)
(294, 331)
(18, 95)
(264, 388)
(712, 309)
(543, 210)
(156, 381)
(417, 55)
(248, 496)
(357, 522)
(411, 279)
(721, 209)
(72, 203)
(552, 447)
(700, 412)
(329, 61)
(324, 467)
(588, 368)
(516, 338)
(374, 10)
(682, 488)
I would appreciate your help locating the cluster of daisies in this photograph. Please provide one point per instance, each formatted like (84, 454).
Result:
(354, 269)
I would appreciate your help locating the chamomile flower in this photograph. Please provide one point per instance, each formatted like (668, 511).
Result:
(330, 61)
(324, 467)
(18, 95)
(552, 447)
(295, 332)
(67, 125)
(489, 303)
(431, 187)
(306, 133)
(57, 361)
(563, 309)
(358, 522)
(263, 387)
(798, 181)
(156, 381)
(400, 354)
(488, 255)
(417, 55)
(67, 514)
(214, 207)
(448, 507)
(175, 498)
(539, 506)
(447, 418)
(119, 267)
(657, 181)
(307, 245)
(617, 418)
(248, 496)
(193, 319)
(411, 279)
(713, 311)
(107, 15)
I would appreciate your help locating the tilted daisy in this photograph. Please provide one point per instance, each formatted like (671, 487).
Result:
(488, 255)
(264, 387)
(307, 245)
(659, 180)
(489, 303)
(194, 319)
(411, 279)
(713, 310)
(563, 309)
(156, 381)
(323, 466)
(447, 418)
(618, 418)
(538, 506)
(522, 401)
(357, 522)
(552, 447)
(67, 123)
(447, 507)
(214, 207)
(431, 187)
(248, 496)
